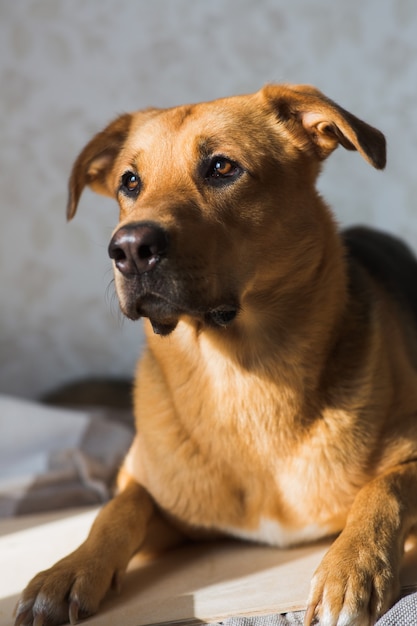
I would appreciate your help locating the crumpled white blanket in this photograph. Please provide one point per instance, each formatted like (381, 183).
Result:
(53, 458)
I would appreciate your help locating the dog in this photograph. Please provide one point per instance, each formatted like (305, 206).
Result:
(276, 400)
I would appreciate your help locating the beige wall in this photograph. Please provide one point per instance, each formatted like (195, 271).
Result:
(68, 66)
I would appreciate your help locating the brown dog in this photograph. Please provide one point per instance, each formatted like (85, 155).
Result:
(283, 405)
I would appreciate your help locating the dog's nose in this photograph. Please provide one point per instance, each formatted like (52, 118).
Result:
(137, 248)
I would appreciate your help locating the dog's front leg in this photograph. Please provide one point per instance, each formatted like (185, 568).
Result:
(358, 579)
(74, 587)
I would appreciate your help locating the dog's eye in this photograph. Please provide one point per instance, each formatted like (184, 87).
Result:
(222, 167)
(130, 184)
(222, 170)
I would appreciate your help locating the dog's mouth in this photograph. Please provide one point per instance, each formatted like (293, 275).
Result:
(164, 315)
(221, 316)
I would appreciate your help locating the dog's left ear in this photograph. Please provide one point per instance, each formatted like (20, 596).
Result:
(317, 122)
(95, 162)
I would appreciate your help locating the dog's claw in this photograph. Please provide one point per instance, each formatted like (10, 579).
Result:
(39, 620)
(19, 619)
(309, 616)
(23, 616)
(74, 612)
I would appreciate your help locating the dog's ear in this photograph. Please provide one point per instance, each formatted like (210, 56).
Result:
(95, 162)
(317, 122)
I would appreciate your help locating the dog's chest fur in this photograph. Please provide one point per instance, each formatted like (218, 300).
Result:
(200, 488)
(225, 467)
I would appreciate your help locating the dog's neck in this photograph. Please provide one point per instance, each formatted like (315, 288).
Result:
(283, 334)
(286, 329)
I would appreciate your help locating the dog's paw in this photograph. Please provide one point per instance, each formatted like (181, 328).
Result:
(353, 586)
(69, 591)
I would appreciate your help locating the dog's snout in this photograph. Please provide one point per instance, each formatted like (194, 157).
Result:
(137, 248)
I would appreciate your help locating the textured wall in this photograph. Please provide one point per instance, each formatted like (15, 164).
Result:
(67, 67)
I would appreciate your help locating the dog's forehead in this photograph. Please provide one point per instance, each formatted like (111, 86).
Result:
(206, 127)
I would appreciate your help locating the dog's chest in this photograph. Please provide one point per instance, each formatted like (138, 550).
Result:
(218, 456)
(204, 492)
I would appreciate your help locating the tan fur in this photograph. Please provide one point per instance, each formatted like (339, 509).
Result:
(295, 420)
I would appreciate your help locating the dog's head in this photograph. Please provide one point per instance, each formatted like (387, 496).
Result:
(217, 200)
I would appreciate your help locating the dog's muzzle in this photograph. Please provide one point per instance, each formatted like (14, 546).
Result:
(140, 253)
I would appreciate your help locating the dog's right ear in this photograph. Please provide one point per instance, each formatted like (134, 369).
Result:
(95, 162)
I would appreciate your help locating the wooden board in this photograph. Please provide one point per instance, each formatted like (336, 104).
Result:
(194, 584)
